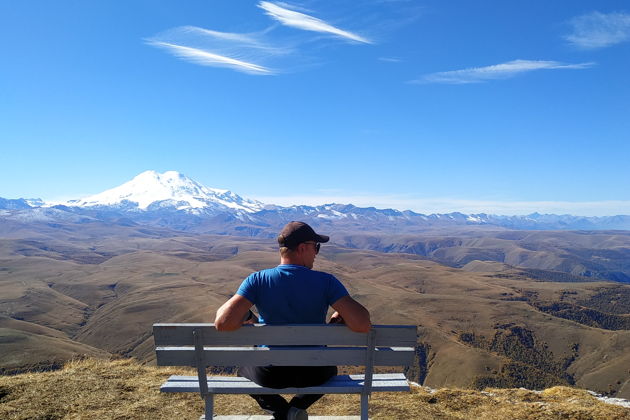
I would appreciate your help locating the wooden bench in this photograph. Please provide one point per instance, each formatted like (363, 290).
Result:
(201, 345)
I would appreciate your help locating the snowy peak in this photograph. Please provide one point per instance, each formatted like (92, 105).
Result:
(151, 190)
(170, 197)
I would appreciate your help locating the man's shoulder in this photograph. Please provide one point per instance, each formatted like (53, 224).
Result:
(322, 273)
(304, 270)
(264, 272)
(296, 269)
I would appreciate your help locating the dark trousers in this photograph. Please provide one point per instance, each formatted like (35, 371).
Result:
(287, 377)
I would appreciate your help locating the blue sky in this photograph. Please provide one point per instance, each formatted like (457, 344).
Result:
(435, 106)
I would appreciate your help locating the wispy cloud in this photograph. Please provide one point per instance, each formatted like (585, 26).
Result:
(227, 39)
(598, 30)
(241, 52)
(306, 22)
(390, 59)
(497, 71)
(449, 205)
(207, 58)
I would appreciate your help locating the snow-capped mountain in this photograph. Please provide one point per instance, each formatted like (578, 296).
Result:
(173, 200)
(153, 191)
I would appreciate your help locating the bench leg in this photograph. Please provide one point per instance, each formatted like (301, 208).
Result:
(209, 406)
(364, 406)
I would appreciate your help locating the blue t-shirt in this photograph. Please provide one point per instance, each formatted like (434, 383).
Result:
(292, 294)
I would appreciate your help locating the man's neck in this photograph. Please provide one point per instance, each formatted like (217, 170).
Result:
(291, 261)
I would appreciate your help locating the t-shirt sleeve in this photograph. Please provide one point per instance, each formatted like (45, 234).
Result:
(247, 289)
(336, 290)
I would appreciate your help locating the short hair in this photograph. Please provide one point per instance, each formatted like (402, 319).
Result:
(286, 251)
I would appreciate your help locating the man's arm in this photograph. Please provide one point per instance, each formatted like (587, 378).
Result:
(232, 314)
(354, 315)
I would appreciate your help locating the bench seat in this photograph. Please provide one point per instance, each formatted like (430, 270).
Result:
(341, 384)
(202, 345)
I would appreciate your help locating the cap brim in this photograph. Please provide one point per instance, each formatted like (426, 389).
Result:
(322, 238)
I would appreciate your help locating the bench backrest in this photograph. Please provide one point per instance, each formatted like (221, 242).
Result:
(291, 345)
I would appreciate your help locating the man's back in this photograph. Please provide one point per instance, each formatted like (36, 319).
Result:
(292, 294)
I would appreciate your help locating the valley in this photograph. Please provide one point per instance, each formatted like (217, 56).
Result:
(500, 301)
(94, 289)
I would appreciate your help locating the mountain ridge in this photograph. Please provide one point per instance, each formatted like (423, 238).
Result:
(172, 195)
(540, 316)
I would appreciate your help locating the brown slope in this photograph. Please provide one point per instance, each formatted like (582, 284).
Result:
(23, 350)
(596, 254)
(476, 328)
(448, 303)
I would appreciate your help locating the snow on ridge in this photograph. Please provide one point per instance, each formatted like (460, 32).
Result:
(610, 400)
(43, 215)
(151, 187)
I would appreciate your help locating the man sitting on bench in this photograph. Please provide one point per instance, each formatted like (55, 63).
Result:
(292, 293)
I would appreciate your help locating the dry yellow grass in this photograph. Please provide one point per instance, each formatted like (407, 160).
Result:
(125, 389)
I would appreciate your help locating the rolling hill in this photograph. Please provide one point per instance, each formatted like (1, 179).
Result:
(96, 288)
(500, 301)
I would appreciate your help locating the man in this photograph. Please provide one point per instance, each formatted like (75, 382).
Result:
(292, 293)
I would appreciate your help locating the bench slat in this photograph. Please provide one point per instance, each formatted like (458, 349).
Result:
(181, 335)
(284, 356)
(225, 378)
(342, 384)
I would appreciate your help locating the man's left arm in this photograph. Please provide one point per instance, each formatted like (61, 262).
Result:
(351, 313)
(233, 313)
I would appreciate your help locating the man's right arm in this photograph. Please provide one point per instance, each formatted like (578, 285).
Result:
(232, 314)
(354, 315)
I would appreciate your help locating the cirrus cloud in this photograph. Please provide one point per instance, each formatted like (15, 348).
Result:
(246, 53)
(496, 71)
(598, 30)
(207, 58)
(251, 53)
(306, 22)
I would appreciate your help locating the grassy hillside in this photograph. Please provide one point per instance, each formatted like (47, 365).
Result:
(97, 293)
(124, 389)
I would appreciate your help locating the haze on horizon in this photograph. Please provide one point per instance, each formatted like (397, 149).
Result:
(426, 206)
(429, 106)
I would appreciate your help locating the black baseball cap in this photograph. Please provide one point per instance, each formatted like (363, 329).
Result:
(294, 233)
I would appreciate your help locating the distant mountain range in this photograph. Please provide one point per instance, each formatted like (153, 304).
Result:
(495, 306)
(173, 200)
(521, 301)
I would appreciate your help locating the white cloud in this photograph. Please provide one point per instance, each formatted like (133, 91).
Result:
(598, 30)
(306, 22)
(497, 71)
(246, 53)
(228, 36)
(390, 59)
(207, 58)
(449, 205)
(237, 43)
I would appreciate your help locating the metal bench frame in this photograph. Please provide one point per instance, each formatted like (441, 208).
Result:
(201, 345)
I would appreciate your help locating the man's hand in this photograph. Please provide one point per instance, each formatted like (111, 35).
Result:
(353, 314)
(250, 318)
(336, 319)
